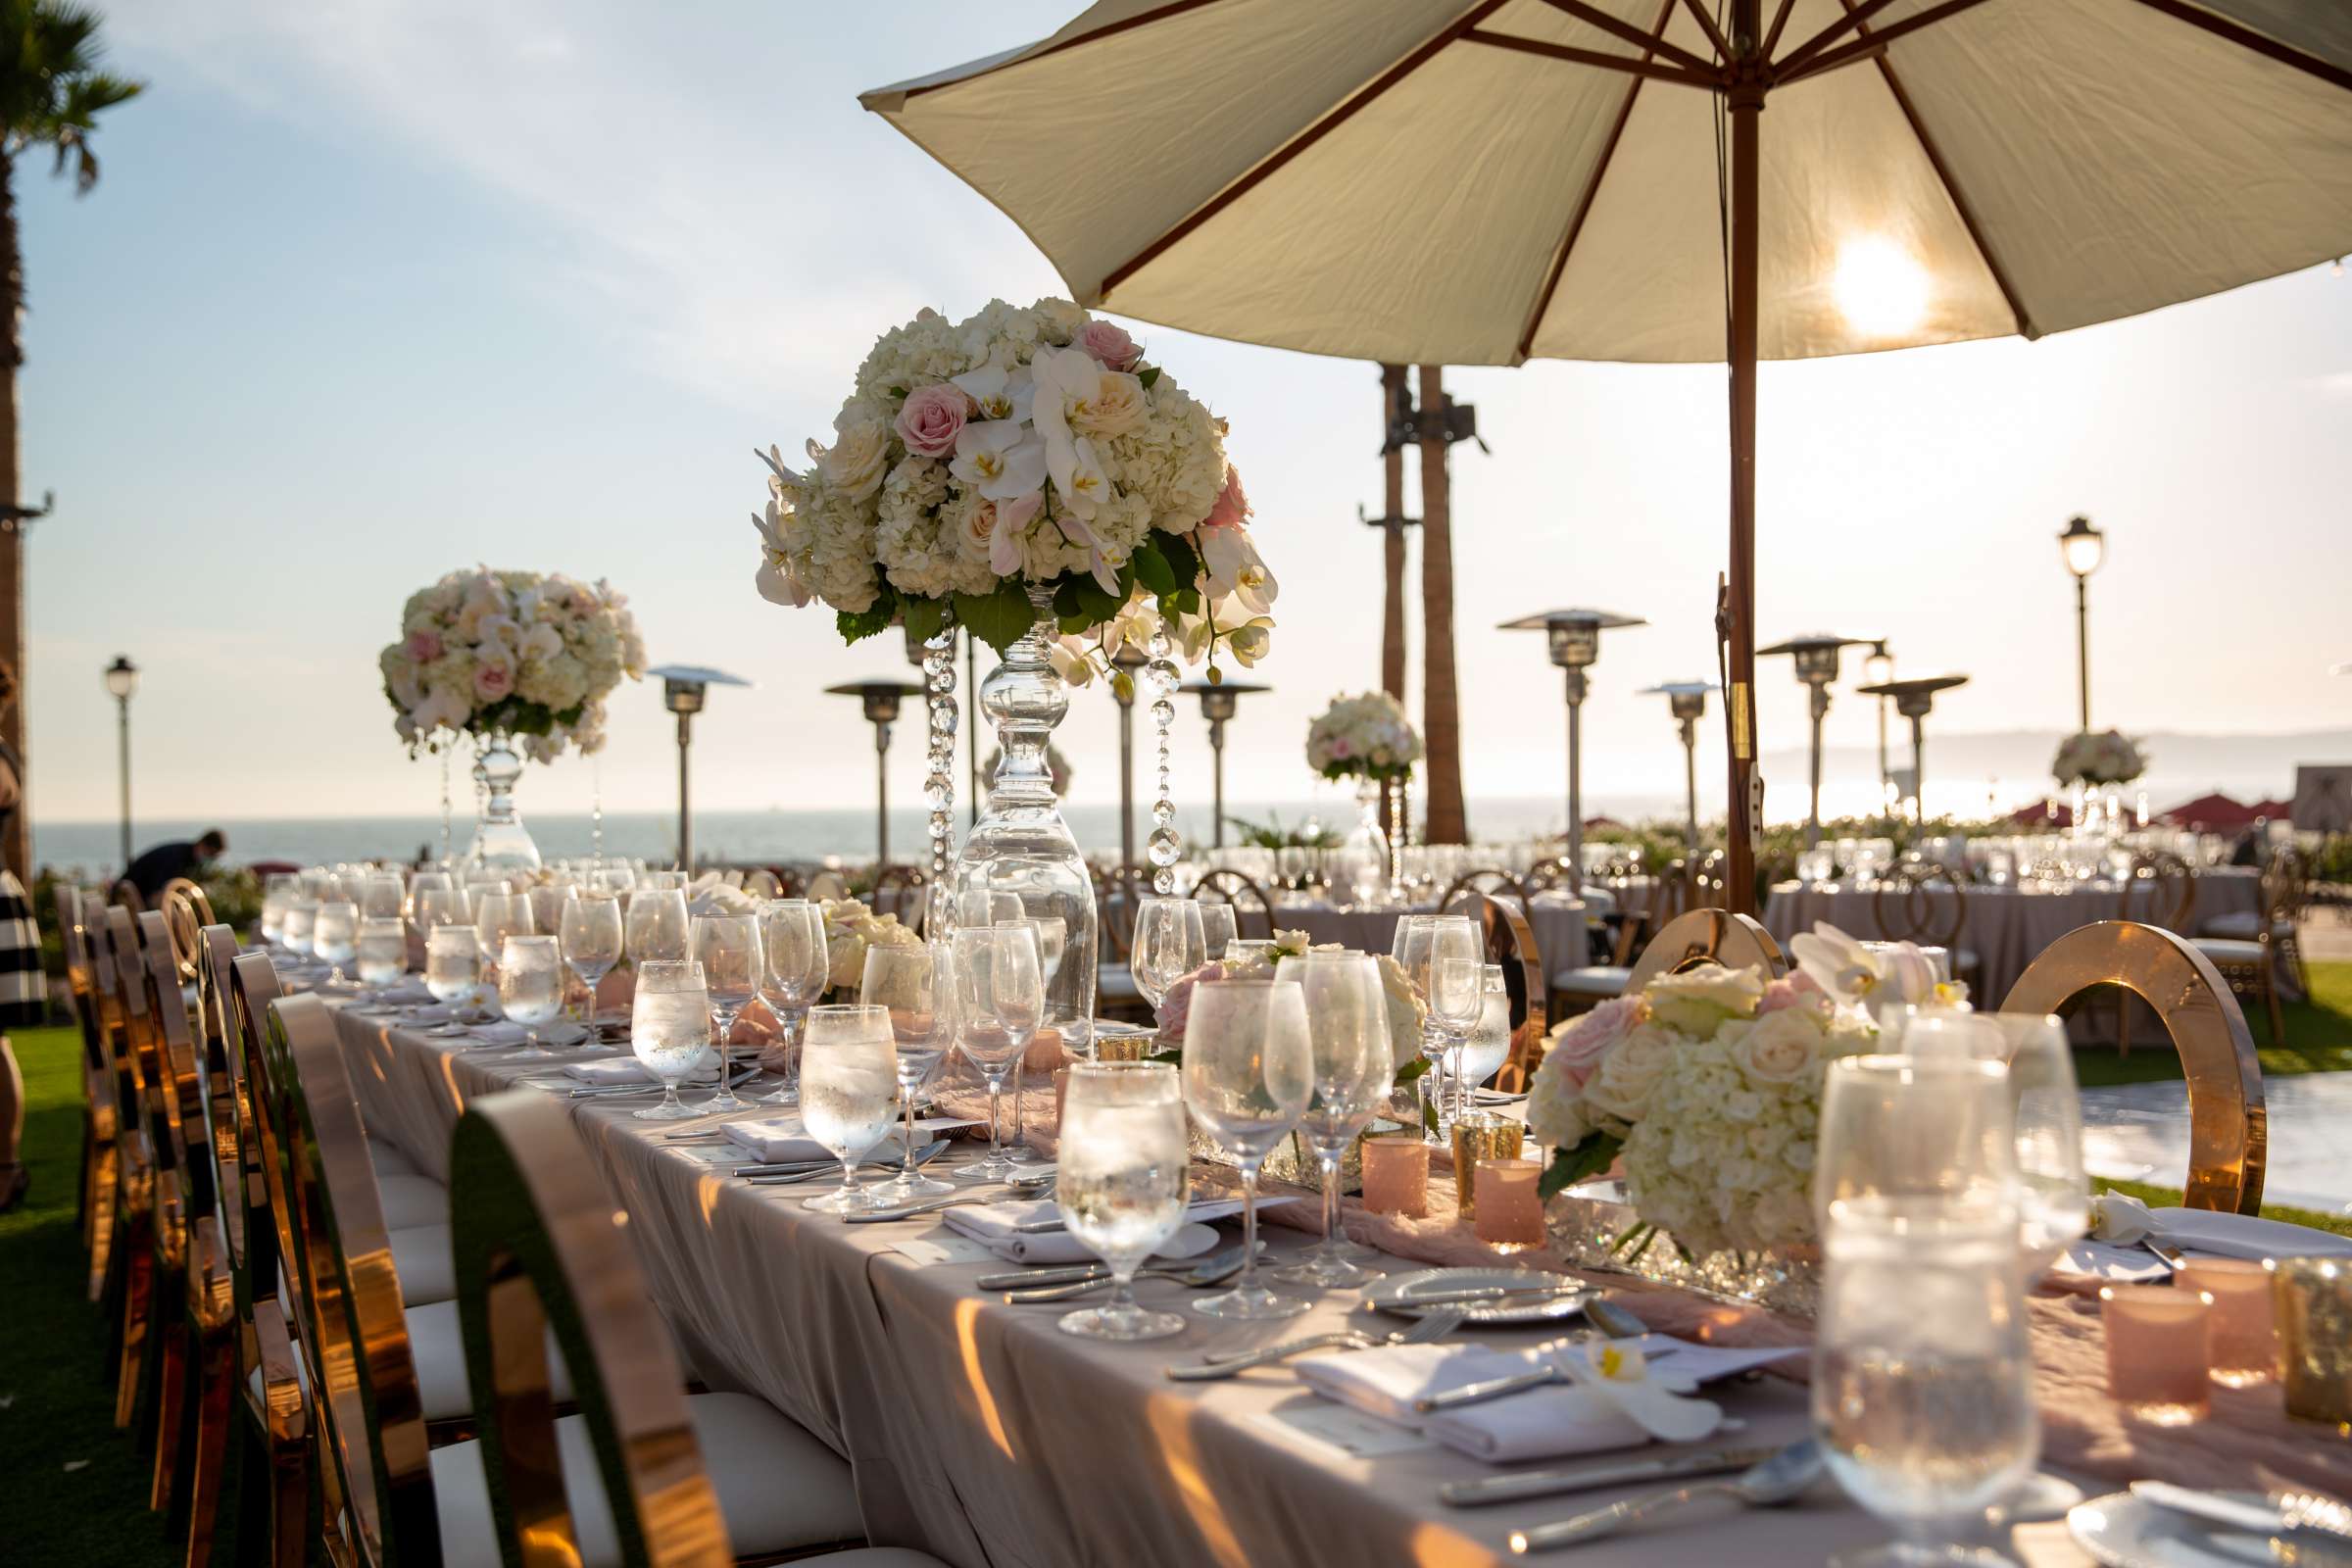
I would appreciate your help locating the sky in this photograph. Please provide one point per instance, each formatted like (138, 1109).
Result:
(375, 290)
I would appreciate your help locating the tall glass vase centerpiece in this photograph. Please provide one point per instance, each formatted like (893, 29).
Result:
(1367, 738)
(1026, 476)
(520, 660)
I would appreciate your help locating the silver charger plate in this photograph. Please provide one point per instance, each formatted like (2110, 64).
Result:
(1394, 1295)
(2127, 1531)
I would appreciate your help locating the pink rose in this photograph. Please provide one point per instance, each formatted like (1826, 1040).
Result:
(493, 679)
(1232, 508)
(1801, 990)
(1580, 1048)
(1341, 748)
(1111, 346)
(425, 645)
(931, 418)
(1176, 1007)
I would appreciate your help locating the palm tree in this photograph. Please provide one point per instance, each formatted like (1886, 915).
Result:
(51, 95)
(1441, 708)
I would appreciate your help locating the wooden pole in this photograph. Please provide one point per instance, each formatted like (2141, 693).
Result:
(1392, 396)
(1440, 713)
(1747, 103)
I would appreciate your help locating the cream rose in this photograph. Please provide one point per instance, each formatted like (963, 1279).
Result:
(1701, 1000)
(1113, 408)
(1629, 1075)
(1781, 1048)
(855, 463)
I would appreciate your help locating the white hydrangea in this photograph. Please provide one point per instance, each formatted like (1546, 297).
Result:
(1367, 734)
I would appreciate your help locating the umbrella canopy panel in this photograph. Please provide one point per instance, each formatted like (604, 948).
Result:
(1452, 181)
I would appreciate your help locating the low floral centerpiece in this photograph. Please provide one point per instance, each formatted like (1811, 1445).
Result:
(851, 928)
(1364, 736)
(2105, 757)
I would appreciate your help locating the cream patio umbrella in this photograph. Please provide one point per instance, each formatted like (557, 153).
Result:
(1487, 182)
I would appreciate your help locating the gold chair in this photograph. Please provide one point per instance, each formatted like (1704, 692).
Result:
(1224, 885)
(96, 1205)
(1707, 936)
(1492, 880)
(2159, 891)
(1643, 905)
(2229, 1126)
(1922, 902)
(187, 910)
(2249, 948)
(1510, 942)
(126, 1295)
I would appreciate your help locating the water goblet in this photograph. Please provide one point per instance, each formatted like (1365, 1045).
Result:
(498, 916)
(848, 1092)
(383, 895)
(657, 926)
(792, 937)
(1168, 945)
(1915, 1127)
(1249, 1073)
(452, 969)
(1219, 929)
(590, 927)
(912, 984)
(1124, 1177)
(439, 905)
(1352, 1072)
(334, 934)
(1489, 1044)
(1000, 999)
(1053, 935)
(1457, 999)
(301, 919)
(728, 947)
(530, 987)
(382, 947)
(669, 1029)
(278, 890)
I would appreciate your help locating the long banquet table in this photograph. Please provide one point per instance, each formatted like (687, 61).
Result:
(979, 1433)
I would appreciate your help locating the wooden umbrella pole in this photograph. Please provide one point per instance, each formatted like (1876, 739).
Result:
(1392, 547)
(1745, 101)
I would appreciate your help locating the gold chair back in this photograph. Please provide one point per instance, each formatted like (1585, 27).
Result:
(186, 909)
(2229, 1129)
(1707, 936)
(277, 1466)
(2284, 887)
(1493, 879)
(1224, 885)
(377, 1502)
(1510, 942)
(2160, 890)
(540, 1248)
(1922, 902)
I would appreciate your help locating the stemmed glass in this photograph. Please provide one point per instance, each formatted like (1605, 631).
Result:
(301, 919)
(453, 969)
(728, 947)
(1169, 944)
(912, 983)
(530, 988)
(383, 896)
(2054, 1194)
(1000, 998)
(1489, 1045)
(334, 934)
(1933, 1126)
(1217, 930)
(669, 1029)
(1124, 1177)
(382, 950)
(278, 890)
(1421, 943)
(1053, 935)
(613, 878)
(792, 933)
(1249, 1072)
(848, 1091)
(1457, 998)
(498, 916)
(657, 926)
(981, 906)
(438, 903)
(1352, 1072)
(592, 940)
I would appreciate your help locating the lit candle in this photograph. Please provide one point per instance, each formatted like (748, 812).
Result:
(1509, 1211)
(1396, 1174)
(1480, 1134)
(2241, 1335)
(2156, 1352)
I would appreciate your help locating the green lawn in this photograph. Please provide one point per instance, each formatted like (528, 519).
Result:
(2319, 1038)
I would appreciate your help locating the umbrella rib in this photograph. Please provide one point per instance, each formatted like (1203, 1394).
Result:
(1849, 23)
(1629, 33)
(1968, 216)
(1847, 54)
(1273, 162)
(1780, 20)
(1139, 20)
(1706, 25)
(1584, 206)
(1629, 64)
(2247, 37)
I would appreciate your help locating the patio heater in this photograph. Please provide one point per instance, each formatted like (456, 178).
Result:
(1912, 700)
(881, 699)
(1878, 670)
(1218, 699)
(1687, 700)
(683, 686)
(1816, 656)
(1128, 659)
(1574, 639)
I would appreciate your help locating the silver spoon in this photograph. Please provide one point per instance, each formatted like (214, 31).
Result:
(1778, 1480)
(1215, 1269)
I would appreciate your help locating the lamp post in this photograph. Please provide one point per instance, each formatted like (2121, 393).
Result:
(1573, 637)
(2084, 548)
(881, 700)
(1126, 662)
(1816, 656)
(121, 682)
(1878, 670)
(1217, 704)
(1912, 700)
(1687, 700)
(682, 690)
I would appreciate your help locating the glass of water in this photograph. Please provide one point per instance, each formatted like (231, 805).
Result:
(1169, 944)
(382, 950)
(1353, 1071)
(848, 1094)
(1489, 1045)
(498, 916)
(1249, 1073)
(530, 987)
(2053, 1194)
(728, 947)
(590, 931)
(383, 895)
(1000, 1001)
(912, 984)
(792, 940)
(1124, 1165)
(334, 937)
(453, 969)
(301, 918)
(669, 1029)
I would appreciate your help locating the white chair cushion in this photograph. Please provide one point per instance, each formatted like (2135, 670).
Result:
(437, 1348)
(1115, 982)
(779, 1489)
(411, 1201)
(2222, 950)
(390, 1162)
(1594, 980)
(880, 1557)
(422, 1257)
(2244, 926)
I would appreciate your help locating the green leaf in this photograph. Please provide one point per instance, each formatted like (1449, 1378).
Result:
(1593, 1153)
(874, 619)
(998, 619)
(1091, 600)
(1173, 1056)
(1152, 570)
(1148, 374)
(923, 616)
(1184, 563)
(1411, 1070)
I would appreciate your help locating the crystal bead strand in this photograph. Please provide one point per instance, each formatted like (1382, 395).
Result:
(444, 751)
(1166, 845)
(939, 782)
(596, 806)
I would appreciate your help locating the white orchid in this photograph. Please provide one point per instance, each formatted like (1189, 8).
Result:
(1856, 975)
(1235, 568)
(780, 580)
(999, 458)
(999, 394)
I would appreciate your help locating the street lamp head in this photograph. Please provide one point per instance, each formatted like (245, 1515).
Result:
(1573, 636)
(122, 678)
(1686, 697)
(2082, 545)
(1816, 655)
(1879, 667)
(683, 686)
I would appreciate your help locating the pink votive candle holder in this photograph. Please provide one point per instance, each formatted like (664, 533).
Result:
(1396, 1174)
(2242, 1333)
(2157, 1352)
(1510, 1213)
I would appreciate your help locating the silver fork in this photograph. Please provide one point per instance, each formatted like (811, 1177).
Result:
(1431, 1327)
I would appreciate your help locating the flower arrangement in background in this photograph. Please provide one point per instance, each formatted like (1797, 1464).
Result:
(531, 656)
(1365, 736)
(1020, 448)
(1406, 1014)
(851, 927)
(1056, 764)
(2105, 757)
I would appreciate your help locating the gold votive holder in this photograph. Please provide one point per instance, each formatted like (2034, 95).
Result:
(1480, 1134)
(2313, 1299)
(1125, 1048)
(1396, 1174)
(2156, 1352)
(1510, 1212)
(2241, 1334)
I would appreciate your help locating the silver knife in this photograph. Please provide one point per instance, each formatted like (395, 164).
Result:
(1597, 1474)
(2261, 1519)
(1490, 1293)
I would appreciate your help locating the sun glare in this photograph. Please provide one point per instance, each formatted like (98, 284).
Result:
(1879, 286)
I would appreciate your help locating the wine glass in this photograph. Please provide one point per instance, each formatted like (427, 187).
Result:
(848, 1092)
(1249, 1072)
(1217, 929)
(669, 1029)
(1351, 1071)
(656, 927)
(382, 948)
(1052, 936)
(383, 896)
(1169, 944)
(1923, 1373)
(728, 947)
(439, 906)
(1911, 1126)
(2054, 1194)
(614, 879)
(278, 890)
(453, 969)
(1000, 998)
(792, 936)
(1489, 1045)
(1421, 941)
(663, 881)
(912, 983)
(1457, 998)
(590, 927)
(302, 919)
(335, 933)
(530, 987)
(1124, 1177)
(498, 916)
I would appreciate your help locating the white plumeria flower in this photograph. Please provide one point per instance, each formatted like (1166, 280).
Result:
(999, 394)
(999, 458)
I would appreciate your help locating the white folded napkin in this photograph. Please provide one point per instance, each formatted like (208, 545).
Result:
(2120, 1219)
(993, 1226)
(629, 1070)
(780, 1140)
(503, 1033)
(1385, 1382)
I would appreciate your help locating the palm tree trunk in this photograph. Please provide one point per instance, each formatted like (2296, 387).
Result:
(17, 846)
(1392, 551)
(1440, 708)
